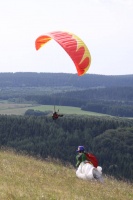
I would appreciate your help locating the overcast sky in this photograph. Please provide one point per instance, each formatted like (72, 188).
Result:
(106, 26)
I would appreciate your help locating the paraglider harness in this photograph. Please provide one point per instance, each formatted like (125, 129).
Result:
(87, 158)
(56, 115)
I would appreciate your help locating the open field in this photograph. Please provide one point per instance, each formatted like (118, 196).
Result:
(13, 108)
(26, 178)
(19, 109)
(65, 110)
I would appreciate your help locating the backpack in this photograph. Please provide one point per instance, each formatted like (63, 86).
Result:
(92, 158)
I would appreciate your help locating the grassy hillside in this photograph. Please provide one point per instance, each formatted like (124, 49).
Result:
(26, 178)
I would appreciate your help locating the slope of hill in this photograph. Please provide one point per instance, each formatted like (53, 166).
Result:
(27, 178)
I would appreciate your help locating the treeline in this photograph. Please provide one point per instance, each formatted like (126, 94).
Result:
(112, 101)
(59, 94)
(112, 95)
(110, 139)
(121, 109)
(116, 101)
(30, 79)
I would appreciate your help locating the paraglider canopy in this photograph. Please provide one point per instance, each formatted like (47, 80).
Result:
(73, 45)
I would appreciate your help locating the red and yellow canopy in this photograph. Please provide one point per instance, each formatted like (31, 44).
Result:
(73, 45)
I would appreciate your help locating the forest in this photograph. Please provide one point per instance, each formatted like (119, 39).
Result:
(110, 137)
(112, 95)
(33, 79)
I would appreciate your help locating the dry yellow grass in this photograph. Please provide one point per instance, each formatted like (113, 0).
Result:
(26, 178)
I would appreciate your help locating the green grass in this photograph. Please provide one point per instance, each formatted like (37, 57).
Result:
(65, 110)
(26, 178)
(19, 109)
(13, 108)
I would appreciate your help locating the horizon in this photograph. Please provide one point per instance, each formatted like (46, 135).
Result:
(65, 73)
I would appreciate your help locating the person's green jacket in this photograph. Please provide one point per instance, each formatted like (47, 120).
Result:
(81, 157)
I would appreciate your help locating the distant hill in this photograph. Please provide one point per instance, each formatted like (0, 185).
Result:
(31, 79)
(112, 95)
(24, 177)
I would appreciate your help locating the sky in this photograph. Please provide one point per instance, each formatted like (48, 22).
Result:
(106, 27)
